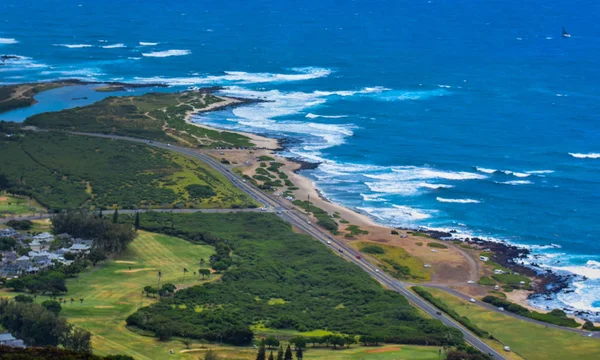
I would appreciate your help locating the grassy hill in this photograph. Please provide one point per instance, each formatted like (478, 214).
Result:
(159, 116)
(67, 171)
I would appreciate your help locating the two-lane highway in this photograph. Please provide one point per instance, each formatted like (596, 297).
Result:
(299, 220)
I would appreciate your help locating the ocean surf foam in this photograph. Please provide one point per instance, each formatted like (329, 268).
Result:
(585, 156)
(459, 201)
(114, 46)
(167, 53)
(8, 41)
(74, 46)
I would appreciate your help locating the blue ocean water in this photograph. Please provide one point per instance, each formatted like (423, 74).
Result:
(467, 115)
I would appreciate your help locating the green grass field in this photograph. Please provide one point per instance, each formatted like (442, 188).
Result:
(11, 205)
(356, 352)
(531, 341)
(397, 262)
(111, 291)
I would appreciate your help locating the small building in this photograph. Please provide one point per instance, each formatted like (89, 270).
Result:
(8, 232)
(44, 237)
(83, 242)
(7, 339)
(79, 249)
(484, 258)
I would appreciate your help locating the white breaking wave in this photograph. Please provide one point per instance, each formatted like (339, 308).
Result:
(74, 46)
(460, 201)
(406, 188)
(485, 170)
(239, 77)
(372, 197)
(585, 156)
(397, 215)
(167, 53)
(142, 43)
(404, 173)
(515, 182)
(114, 46)
(134, 58)
(20, 63)
(538, 172)
(87, 73)
(8, 41)
(314, 116)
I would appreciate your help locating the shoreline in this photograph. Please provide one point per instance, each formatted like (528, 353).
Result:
(545, 282)
(259, 141)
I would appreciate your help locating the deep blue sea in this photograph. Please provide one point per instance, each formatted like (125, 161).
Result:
(463, 114)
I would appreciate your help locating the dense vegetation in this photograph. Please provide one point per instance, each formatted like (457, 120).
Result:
(315, 289)
(157, 116)
(37, 326)
(109, 238)
(448, 310)
(66, 171)
(52, 353)
(556, 316)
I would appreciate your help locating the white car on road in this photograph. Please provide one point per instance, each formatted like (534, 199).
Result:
(472, 300)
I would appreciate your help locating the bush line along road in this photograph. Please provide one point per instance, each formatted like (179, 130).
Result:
(299, 221)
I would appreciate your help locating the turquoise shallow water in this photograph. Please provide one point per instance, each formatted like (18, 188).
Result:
(446, 114)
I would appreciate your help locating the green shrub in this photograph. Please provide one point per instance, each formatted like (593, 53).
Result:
(200, 191)
(373, 249)
(556, 316)
(436, 245)
(486, 281)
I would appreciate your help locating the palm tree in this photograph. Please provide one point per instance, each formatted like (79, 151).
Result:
(159, 275)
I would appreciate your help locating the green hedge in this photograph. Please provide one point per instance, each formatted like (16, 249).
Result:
(556, 316)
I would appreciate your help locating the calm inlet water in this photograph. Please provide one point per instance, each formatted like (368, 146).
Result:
(476, 116)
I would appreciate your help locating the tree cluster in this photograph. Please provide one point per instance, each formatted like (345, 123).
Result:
(109, 238)
(37, 326)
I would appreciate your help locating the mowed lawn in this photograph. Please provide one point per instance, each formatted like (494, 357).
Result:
(112, 291)
(531, 341)
(356, 352)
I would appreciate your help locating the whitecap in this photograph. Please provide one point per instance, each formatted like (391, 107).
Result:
(134, 58)
(315, 116)
(585, 156)
(239, 77)
(142, 43)
(539, 172)
(413, 172)
(372, 197)
(515, 182)
(74, 46)
(460, 201)
(114, 46)
(20, 63)
(397, 215)
(8, 41)
(485, 170)
(167, 53)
